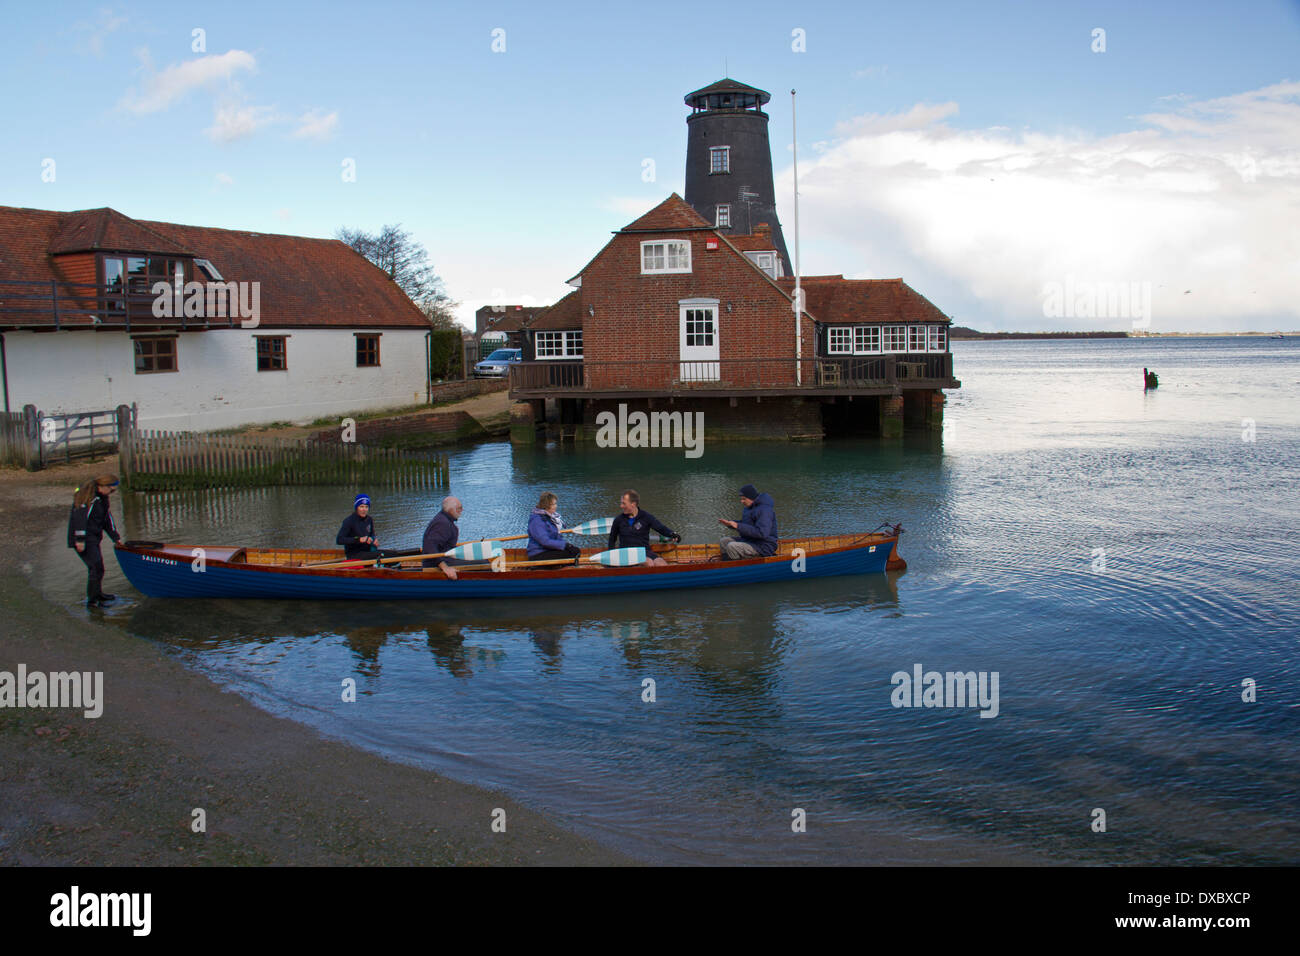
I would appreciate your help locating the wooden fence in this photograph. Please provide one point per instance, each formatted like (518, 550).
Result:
(15, 449)
(34, 439)
(167, 461)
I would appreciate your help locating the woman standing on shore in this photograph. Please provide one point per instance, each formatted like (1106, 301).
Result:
(90, 520)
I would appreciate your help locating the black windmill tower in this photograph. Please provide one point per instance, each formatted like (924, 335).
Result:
(729, 160)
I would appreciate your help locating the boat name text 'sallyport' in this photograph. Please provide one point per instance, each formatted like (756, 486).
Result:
(150, 557)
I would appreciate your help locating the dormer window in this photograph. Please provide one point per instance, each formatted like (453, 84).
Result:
(723, 218)
(719, 160)
(658, 256)
(769, 262)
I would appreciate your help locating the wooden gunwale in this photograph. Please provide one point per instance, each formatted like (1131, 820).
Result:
(254, 560)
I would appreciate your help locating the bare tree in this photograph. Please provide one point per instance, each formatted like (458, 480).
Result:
(407, 263)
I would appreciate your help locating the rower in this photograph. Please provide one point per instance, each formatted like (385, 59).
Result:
(441, 536)
(357, 536)
(632, 528)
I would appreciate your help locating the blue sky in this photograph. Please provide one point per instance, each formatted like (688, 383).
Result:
(981, 151)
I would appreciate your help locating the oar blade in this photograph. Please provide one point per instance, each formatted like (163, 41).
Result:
(475, 551)
(594, 526)
(620, 557)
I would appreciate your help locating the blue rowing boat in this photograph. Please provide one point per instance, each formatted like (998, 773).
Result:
(191, 571)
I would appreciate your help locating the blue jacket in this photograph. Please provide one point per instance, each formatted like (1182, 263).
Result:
(543, 533)
(757, 525)
(441, 535)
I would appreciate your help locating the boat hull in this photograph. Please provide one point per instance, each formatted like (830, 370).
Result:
(169, 572)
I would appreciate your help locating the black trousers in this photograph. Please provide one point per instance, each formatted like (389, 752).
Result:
(94, 562)
(570, 551)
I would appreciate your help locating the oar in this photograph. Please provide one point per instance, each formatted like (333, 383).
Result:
(473, 551)
(594, 526)
(617, 558)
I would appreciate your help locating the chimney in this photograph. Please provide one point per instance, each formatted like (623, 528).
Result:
(762, 229)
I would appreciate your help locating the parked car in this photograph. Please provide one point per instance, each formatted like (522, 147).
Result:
(497, 364)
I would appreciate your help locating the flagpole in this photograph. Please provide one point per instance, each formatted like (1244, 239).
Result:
(798, 289)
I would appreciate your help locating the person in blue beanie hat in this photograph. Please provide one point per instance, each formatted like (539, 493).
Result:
(358, 532)
(757, 527)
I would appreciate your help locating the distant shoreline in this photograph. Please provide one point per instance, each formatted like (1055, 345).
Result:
(961, 334)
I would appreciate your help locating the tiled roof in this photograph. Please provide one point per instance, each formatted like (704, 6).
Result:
(754, 243)
(304, 282)
(835, 299)
(514, 318)
(674, 213)
(109, 230)
(564, 314)
(727, 85)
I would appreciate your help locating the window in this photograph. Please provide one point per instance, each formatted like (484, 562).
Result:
(840, 341)
(769, 262)
(367, 351)
(700, 328)
(155, 355)
(866, 339)
(938, 338)
(143, 271)
(665, 257)
(723, 218)
(719, 160)
(916, 338)
(551, 345)
(895, 338)
(270, 353)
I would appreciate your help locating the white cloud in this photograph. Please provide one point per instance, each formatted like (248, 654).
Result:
(225, 179)
(233, 122)
(1203, 196)
(316, 124)
(160, 90)
(98, 29)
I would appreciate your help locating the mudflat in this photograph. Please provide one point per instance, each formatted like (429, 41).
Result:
(121, 789)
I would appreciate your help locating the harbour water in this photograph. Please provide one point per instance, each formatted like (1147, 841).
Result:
(1122, 560)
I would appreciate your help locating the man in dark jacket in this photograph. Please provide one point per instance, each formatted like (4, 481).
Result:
(757, 527)
(632, 528)
(441, 535)
(358, 532)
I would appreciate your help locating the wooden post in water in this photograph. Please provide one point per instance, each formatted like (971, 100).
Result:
(125, 460)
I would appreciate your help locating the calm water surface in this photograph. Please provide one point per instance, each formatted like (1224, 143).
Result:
(1119, 689)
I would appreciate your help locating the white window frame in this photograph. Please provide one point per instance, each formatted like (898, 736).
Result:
(722, 216)
(845, 334)
(862, 332)
(558, 345)
(725, 153)
(666, 256)
(887, 335)
(916, 338)
(768, 261)
(937, 338)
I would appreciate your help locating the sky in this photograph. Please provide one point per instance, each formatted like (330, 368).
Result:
(1002, 158)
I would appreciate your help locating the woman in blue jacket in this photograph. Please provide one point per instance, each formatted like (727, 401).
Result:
(544, 540)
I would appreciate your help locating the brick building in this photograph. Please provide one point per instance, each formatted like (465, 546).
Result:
(673, 311)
